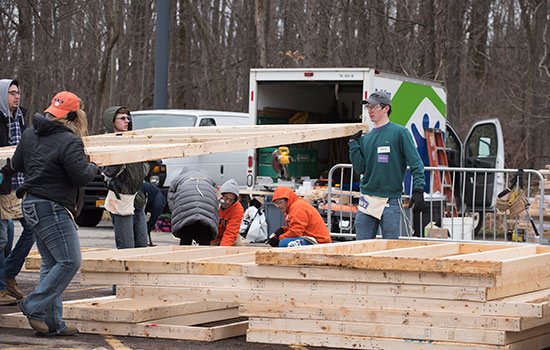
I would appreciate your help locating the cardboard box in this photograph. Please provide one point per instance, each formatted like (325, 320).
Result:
(433, 231)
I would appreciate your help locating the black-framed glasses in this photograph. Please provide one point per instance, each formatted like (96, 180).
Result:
(124, 118)
(14, 93)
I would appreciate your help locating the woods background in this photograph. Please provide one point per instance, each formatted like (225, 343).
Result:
(492, 55)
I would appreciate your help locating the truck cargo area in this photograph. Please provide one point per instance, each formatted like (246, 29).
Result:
(284, 102)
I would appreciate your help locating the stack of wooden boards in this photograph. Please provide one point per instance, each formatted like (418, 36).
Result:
(164, 143)
(374, 294)
(152, 318)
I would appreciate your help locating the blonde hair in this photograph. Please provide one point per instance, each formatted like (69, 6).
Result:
(79, 125)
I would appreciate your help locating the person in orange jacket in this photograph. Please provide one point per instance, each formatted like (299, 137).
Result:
(305, 226)
(231, 214)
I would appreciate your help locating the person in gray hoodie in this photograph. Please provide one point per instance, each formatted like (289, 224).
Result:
(12, 124)
(193, 200)
(126, 179)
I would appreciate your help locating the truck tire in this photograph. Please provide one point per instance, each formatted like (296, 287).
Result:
(89, 218)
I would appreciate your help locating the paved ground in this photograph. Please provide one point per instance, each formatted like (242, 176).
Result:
(103, 237)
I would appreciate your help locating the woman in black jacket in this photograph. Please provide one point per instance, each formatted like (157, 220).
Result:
(51, 154)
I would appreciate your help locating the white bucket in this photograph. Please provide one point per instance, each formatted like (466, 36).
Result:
(459, 228)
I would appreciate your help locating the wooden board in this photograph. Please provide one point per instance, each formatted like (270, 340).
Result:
(326, 273)
(261, 284)
(164, 143)
(111, 309)
(359, 342)
(477, 336)
(428, 319)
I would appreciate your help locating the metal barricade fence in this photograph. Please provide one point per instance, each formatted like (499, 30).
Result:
(475, 191)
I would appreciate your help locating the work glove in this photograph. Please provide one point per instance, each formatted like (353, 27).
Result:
(273, 239)
(356, 136)
(417, 200)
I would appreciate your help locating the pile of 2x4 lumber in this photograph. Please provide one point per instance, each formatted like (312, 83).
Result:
(378, 294)
(151, 317)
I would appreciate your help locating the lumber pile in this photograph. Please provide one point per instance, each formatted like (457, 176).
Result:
(374, 294)
(151, 317)
(164, 143)
(147, 318)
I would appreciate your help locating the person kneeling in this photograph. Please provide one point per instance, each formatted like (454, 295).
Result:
(304, 224)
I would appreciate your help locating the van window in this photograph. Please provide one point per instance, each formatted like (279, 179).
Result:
(207, 122)
(482, 142)
(158, 120)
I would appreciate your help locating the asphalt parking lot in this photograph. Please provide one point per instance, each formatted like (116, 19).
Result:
(102, 236)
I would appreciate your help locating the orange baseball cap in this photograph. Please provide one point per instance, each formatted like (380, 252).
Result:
(63, 103)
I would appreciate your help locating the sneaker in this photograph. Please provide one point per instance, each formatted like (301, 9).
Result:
(13, 290)
(6, 299)
(70, 330)
(39, 326)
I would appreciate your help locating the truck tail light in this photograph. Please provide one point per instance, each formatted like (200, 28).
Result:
(308, 74)
(250, 160)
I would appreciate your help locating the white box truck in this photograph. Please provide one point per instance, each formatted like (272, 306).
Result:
(334, 95)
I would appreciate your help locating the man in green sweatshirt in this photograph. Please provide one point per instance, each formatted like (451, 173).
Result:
(381, 156)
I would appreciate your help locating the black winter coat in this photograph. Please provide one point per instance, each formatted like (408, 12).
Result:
(53, 160)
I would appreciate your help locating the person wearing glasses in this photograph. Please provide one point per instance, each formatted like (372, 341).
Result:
(125, 200)
(12, 125)
(381, 157)
(304, 224)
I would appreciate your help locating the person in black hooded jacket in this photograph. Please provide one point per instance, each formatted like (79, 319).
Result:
(51, 155)
(12, 125)
(127, 179)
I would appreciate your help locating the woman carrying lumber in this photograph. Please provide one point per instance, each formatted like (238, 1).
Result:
(51, 155)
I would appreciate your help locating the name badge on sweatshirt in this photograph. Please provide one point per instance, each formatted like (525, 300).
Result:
(383, 154)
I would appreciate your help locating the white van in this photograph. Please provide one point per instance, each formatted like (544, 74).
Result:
(219, 166)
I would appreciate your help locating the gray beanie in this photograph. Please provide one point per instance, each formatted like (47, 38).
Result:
(230, 186)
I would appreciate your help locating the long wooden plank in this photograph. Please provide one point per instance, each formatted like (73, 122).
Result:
(314, 299)
(497, 254)
(478, 336)
(271, 257)
(134, 311)
(322, 273)
(358, 342)
(435, 319)
(259, 284)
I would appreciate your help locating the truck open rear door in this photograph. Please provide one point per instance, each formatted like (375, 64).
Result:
(484, 148)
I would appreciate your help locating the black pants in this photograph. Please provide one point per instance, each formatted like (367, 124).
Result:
(197, 232)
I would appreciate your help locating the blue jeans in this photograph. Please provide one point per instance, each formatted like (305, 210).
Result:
(293, 242)
(11, 233)
(131, 230)
(366, 226)
(59, 247)
(16, 259)
(3, 243)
